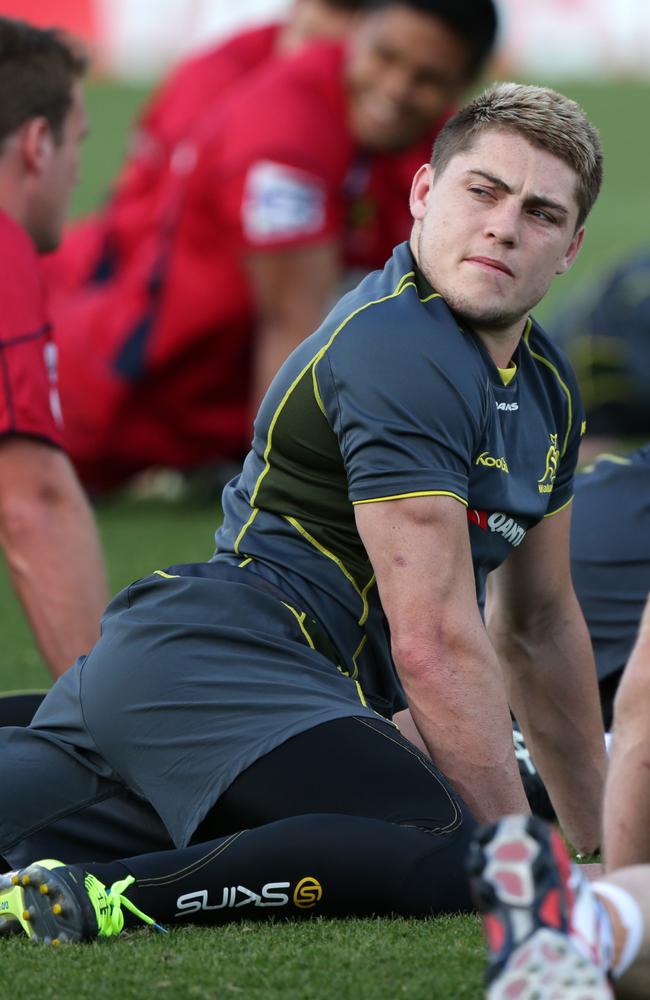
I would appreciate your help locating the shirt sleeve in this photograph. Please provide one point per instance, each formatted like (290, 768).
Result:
(29, 401)
(279, 186)
(406, 406)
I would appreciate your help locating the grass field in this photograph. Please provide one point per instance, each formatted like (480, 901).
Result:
(364, 960)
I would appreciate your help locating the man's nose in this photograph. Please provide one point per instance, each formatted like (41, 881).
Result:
(503, 222)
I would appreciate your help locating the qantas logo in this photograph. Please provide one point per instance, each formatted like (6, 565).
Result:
(508, 407)
(498, 523)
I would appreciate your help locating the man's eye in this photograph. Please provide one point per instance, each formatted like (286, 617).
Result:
(541, 214)
(481, 192)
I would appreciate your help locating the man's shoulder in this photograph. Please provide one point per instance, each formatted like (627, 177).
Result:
(289, 104)
(392, 314)
(15, 245)
(551, 357)
(20, 274)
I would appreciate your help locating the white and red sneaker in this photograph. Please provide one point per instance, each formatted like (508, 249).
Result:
(542, 922)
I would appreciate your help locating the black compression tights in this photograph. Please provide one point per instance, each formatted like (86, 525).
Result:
(345, 819)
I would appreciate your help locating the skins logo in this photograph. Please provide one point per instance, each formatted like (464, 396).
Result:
(307, 893)
(233, 897)
(498, 523)
(545, 484)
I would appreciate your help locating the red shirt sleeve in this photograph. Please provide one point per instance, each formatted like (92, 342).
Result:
(29, 402)
(285, 153)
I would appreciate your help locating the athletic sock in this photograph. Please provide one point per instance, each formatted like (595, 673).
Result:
(317, 864)
(631, 918)
(591, 926)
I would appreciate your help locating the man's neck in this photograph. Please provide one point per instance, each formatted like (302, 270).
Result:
(502, 344)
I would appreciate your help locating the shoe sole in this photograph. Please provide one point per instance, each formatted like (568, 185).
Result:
(39, 903)
(547, 967)
(509, 864)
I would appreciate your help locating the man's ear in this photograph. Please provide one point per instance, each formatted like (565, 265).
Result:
(35, 142)
(420, 188)
(572, 251)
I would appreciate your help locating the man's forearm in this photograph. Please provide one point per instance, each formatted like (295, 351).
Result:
(457, 701)
(56, 567)
(626, 820)
(553, 692)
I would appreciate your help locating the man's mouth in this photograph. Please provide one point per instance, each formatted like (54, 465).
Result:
(490, 263)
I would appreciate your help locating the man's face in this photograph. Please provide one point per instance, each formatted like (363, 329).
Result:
(495, 227)
(58, 176)
(318, 19)
(404, 70)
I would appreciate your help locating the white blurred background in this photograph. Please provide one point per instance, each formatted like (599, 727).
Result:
(138, 39)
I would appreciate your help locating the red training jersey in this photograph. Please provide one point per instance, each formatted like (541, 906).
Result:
(29, 403)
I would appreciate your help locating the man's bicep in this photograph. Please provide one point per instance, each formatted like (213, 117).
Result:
(536, 576)
(420, 552)
(294, 285)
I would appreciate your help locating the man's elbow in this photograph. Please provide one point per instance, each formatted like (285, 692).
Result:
(28, 511)
(431, 657)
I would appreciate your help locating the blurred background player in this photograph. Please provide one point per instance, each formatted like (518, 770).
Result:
(300, 172)
(606, 334)
(91, 247)
(610, 560)
(47, 530)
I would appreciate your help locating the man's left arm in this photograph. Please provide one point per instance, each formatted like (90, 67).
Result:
(537, 628)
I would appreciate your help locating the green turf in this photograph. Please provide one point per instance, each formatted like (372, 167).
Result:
(138, 537)
(346, 960)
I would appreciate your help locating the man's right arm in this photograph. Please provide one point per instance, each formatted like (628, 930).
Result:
(627, 791)
(52, 549)
(293, 288)
(420, 551)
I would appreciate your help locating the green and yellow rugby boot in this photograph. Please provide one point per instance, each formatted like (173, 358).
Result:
(56, 903)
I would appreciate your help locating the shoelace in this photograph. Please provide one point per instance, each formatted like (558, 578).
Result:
(108, 905)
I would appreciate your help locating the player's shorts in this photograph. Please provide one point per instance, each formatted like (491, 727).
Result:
(193, 679)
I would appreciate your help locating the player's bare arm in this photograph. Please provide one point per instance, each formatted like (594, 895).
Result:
(627, 795)
(293, 289)
(420, 552)
(51, 546)
(539, 633)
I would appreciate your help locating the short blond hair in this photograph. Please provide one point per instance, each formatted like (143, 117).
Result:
(545, 118)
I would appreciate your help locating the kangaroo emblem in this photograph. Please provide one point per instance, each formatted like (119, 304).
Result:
(550, 472)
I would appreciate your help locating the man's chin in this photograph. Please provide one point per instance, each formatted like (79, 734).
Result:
(485, 319)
